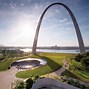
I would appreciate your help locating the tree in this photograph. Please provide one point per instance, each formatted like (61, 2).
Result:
(4, 53)
(86, 54)
(11, 53)
(78, 57)
(85, 62)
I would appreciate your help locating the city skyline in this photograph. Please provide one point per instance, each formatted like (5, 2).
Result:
(19, 21)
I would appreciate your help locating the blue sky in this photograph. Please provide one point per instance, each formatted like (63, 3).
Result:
(19, 18)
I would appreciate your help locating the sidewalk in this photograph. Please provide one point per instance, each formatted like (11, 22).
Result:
(7, 77)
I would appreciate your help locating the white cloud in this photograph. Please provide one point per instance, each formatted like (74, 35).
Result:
(63, 20)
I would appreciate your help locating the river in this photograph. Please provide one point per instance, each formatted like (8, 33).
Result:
(51, 50)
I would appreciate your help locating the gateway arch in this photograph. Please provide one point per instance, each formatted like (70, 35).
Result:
(78, 33)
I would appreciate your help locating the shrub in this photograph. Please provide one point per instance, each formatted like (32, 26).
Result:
(71, 82)
(19, 85)
(83, 87)
(1, 59)
(29, 83)
(9, 67)
(36, 77)
(77, 84)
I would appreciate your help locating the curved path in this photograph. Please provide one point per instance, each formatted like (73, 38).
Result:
(7, 77)
(62, 69)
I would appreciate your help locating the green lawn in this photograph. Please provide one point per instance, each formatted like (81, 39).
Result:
(5, 64)
(81, 73)
(54, 62)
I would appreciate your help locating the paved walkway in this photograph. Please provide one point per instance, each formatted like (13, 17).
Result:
(62, 69)
(55, 73)
(7, 77)
(58, 72)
